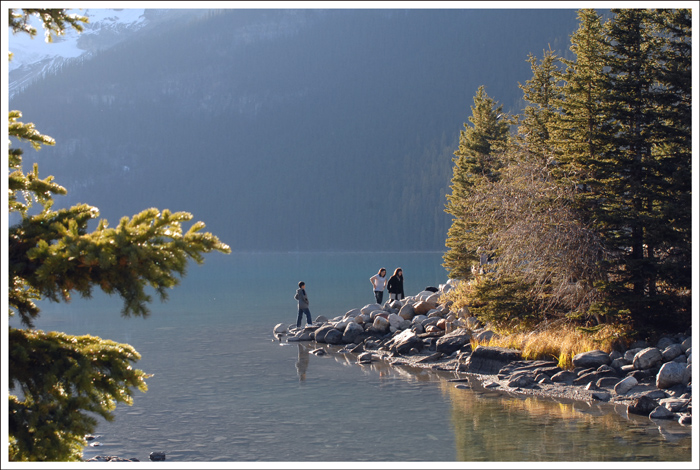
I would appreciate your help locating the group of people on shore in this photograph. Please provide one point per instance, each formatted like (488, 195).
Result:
(379, 283)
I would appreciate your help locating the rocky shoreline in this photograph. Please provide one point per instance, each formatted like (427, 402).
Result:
(419, 331)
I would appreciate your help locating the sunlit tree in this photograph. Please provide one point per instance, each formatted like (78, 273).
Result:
(59, 382)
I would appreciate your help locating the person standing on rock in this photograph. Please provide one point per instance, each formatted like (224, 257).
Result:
(378, 283)
(303, 300)
(395, 285)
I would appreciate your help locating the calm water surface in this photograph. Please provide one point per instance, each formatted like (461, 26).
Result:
(224, 390)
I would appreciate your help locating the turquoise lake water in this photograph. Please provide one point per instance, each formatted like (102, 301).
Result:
(224, 390)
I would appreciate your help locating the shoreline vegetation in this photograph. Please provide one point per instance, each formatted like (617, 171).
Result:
(423, 332)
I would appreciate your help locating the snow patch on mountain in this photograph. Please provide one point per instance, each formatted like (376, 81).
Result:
(33, 57)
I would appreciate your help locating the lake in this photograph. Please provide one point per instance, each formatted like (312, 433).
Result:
(223, 389)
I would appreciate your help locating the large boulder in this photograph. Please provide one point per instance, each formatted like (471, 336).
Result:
(454, 341)
(353, 313)
(422, 307)
(280, 328)
(489, 360)
(403, 342)
(671, 352)
(625, 385)
(323, 331)
(407, 312)
(591, 359)
(352, 332)
(670, 374)
(381, 324)
(647, 358)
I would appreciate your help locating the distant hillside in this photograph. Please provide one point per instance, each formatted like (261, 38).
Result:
(286, 129)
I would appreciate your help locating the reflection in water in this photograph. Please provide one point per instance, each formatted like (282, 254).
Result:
(490, 424)
(302, 362)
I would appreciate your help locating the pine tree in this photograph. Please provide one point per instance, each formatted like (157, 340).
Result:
(579, 131)
(64, 381)
(476, 162)
(542, 91)
(638, 173)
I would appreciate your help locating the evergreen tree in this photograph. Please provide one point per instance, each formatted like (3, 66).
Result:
(64, 381)
(542, 91)
(635, 182)
(476, 163)
(579, 131)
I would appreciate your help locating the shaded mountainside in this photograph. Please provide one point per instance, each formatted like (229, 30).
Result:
(286, 129)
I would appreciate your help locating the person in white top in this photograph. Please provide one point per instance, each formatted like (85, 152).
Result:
(378, 283)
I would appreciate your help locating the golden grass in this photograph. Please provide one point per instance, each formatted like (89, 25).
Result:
(560, 343)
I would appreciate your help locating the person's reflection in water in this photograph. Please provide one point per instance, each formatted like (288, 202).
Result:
(302, 362)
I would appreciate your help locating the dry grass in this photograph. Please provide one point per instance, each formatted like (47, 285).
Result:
(560, 343)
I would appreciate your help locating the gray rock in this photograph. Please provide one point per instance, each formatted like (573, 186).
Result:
(615, 355)
(661, 412)
(484, 336)
(489, 360)
(681, 359)
(352, 332)
(365, 358)
(586, 378)
(629, 354)
(320, 334)
(333, 336)
(607, 382)
(593, 359)
(670, 374)
(665, 342)
(157, 456)
(407, 312)
(354, 313)
(564, 376)
(647, 358)
(381, 324)
(642, 406)
(521, 380)
(601, 396)
(625, 385)
(619, 363)
(671, 352)
(280, 328)
(675, 405)
(455, 341)
(687, 344)
(403, 342)
(685, 419)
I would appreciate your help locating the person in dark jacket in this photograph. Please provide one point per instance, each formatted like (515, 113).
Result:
(395, 285)
(303, 300)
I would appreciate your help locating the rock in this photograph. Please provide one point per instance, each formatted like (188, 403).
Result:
(111, 458)
(625, 385)
(369, 308)
(642, 406)
(321, 319)
(365, 358)
(593, 359)
(675, 404)
(647, 358)
(672, 352)
(629, 354)
(564, 376)
(407, 312)
(607, 382)
(157, 456)
(687, 344)
(489, 360)
(352, 332)
(601, 396)
(322, 332)
(422, 307)
(484, 336)
(664, 343)
(354, 313)
(661, 412)
(334, 336)
(394, 320)
(454, 341)
(280, 328)
(685, 420)
(381, 324)
(670, 374)
(521, 380)
(403, 342)
(586, 378)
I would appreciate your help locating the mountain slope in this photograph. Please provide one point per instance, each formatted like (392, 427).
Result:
(287, 129)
